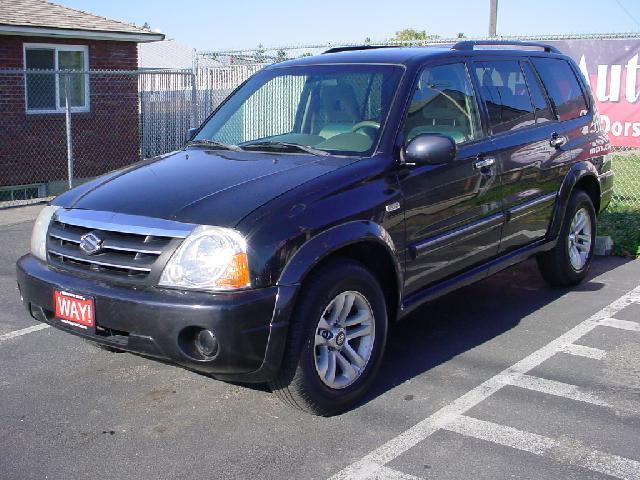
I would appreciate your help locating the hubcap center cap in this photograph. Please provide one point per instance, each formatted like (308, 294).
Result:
(340, 337)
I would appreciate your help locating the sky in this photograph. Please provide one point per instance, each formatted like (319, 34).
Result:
(216, 25)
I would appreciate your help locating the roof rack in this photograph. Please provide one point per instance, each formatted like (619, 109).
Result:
(358, 47)
(468, 45)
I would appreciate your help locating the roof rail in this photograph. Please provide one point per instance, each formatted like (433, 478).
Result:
(468, 45)
(358, 47)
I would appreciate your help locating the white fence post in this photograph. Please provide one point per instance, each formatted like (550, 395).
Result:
(194, 100)
(69, 136)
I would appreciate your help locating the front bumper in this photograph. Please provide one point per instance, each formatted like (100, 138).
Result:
(250, 326)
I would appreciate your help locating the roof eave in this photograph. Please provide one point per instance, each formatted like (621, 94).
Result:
(52, 32)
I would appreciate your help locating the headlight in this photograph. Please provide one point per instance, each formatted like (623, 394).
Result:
(39, 232)
(210, 258)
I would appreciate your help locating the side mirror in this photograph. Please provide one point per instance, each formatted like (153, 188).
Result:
(429, 149)
(191, 133)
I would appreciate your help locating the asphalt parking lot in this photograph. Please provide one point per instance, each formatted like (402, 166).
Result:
(503, 379)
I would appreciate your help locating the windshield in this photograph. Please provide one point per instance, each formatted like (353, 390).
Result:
(329, 108)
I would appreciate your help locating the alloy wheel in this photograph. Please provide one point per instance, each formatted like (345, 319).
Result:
(344, 339)
(579, 244)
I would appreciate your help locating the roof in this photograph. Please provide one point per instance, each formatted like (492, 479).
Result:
(400, 55)
(393, 55)
(43, 18)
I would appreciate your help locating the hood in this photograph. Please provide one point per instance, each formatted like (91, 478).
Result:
(200, 186)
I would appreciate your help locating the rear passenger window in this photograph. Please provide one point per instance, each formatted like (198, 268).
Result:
(506, 95)
(444, 103)
(543, 110)
(562, 86)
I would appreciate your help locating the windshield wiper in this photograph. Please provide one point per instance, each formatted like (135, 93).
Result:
(213, 145)
(274, 144)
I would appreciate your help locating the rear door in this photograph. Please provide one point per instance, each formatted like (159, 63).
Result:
(453, 211)
(573, 129)
(522, 123)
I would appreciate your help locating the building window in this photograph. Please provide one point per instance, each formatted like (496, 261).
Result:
(45, 91)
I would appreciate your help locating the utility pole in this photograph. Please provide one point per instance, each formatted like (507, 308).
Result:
(493, 17)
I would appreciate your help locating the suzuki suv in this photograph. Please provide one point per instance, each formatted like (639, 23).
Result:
(327, 197)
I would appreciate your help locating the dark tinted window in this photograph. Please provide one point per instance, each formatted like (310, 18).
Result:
(41, 87)
(506, 95)
(563, 87)
(444, 103)
(543, 110)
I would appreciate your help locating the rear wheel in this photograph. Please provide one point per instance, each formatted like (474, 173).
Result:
(569, 261)
(336, 341)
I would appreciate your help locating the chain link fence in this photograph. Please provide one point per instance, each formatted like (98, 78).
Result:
(61, 128)
(626, 165)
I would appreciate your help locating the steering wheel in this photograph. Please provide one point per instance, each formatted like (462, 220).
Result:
(365, 124)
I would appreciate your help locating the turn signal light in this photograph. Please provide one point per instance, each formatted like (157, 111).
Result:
(237, 273)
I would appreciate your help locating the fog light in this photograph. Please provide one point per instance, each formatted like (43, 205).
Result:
(206, 343)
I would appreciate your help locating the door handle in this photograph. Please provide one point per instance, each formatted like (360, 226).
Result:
(483, 163)
(557, 140)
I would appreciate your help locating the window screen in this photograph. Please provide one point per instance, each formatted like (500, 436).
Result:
(71, 60)
(506, 95)
(562, 86)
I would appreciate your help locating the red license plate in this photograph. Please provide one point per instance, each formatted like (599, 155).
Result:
(73, 309)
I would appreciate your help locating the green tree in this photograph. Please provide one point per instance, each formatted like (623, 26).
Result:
(409, 34)
(413, 36)
(259, 55)
(281, 55)
(461, 35)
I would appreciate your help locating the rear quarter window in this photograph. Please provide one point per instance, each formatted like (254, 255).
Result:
(563, 87)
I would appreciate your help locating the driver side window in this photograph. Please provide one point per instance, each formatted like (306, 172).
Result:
(444, 103)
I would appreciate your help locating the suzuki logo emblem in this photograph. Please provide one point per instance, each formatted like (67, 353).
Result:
(91, 243)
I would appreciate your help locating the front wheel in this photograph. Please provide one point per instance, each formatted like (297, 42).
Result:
(569, 261)
(337, 337)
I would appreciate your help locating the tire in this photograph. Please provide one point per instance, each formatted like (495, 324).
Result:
(305, 381)
(558, 266)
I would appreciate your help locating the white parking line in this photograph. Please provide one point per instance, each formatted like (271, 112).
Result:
(368, 466)
(584, 351)
(621, 324)
(594, 460)
(386, 473)
(559, 389)
(23, 331)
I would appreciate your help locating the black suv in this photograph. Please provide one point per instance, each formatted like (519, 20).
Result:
(325, 198)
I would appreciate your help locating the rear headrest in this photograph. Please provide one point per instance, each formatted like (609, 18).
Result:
(487, 81)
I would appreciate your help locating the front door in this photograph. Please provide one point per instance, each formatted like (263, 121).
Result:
(453, 211)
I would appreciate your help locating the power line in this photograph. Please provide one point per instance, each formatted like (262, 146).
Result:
(622, 7)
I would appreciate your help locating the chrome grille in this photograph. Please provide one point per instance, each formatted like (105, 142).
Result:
(131, 247)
